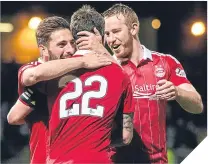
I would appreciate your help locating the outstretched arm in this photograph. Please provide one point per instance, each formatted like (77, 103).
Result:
(56, 68)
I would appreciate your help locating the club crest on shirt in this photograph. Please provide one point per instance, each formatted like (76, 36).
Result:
(159, 71)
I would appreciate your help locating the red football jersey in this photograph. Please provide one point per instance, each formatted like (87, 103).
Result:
(37, 122)
(149, 141)
(82, 116)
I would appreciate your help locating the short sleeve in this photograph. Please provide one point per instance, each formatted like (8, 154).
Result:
(177, 73)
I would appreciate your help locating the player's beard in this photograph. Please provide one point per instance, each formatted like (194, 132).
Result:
(52, 56)
(128, 47)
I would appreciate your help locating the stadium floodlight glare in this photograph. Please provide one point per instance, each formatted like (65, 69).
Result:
(34, 22)
(156, 23)
(6, 27)
(198, 28)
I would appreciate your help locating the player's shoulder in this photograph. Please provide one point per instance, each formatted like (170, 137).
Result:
(114, 71)
(114, 68)
(30, 64)
(34, 63)
(167, 57)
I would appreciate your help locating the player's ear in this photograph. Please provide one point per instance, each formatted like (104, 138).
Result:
(41, 49)
(43, 52)
(135, 29)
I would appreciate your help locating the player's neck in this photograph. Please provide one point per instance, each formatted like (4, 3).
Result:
(137, 53)
(42, 60)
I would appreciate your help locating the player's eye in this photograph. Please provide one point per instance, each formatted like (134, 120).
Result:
(61, 45)
(72, 42)
(116, 31)
(107, 34)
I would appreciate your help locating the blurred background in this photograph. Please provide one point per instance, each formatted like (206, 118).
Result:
(177, 28)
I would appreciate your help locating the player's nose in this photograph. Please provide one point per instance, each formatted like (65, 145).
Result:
(70, 49)
(111, 39)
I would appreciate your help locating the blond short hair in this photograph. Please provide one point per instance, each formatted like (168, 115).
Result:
(128, 13)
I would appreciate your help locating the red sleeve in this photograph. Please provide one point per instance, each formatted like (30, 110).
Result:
(177, 74)
(128, 100)
(20, 72)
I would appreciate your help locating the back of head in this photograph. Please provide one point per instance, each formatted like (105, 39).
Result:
(85, 19)
(47, 27)
(128, 13)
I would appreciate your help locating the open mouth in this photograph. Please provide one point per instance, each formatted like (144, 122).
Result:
(115, 47)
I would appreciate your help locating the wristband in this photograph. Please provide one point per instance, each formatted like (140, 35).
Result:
(28, 97)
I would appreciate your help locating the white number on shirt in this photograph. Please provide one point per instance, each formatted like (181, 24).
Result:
(83, 108)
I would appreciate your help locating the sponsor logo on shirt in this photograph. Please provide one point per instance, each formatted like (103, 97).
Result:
(145, 91)
(180, 72)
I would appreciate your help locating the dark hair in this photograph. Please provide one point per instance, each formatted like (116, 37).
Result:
(48, 26)
(85, 19)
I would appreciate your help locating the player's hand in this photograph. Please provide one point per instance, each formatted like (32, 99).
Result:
(90, 41)
(166, 90)
(94, 60)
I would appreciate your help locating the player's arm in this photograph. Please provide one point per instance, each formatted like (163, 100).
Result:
(189, 99)
(92, 41)
(123, 131)
(89, 41)
(128, 112)
(127, 128)
(124, 119)
(56, 68)
(22, 107)
(178, 88)
(17, 113)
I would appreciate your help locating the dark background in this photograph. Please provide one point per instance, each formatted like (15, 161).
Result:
(184, 130)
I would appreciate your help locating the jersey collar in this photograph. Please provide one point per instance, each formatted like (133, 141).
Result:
(40, 60)
(147, 54)
(82, 52)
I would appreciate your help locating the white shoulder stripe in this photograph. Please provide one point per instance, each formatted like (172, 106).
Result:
(162, 54)
(34, 63)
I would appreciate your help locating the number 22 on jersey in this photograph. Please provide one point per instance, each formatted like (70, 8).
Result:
(83, 108)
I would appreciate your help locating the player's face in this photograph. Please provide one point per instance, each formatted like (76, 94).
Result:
(61, 44)
(118, 36)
